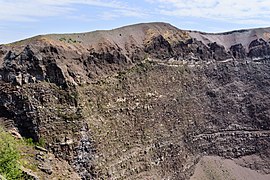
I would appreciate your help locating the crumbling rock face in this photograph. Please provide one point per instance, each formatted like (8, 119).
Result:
(159, 47)
(43, 111)
(27, 67)
(192, 50)
(84, 155)
(14, 105)
(259, 48)
(146, 107)
(238, 51)
(104, 63)
(236, 121)
(54, 74)
(219, 52)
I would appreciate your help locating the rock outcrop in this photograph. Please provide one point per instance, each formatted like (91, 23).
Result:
(140, 102)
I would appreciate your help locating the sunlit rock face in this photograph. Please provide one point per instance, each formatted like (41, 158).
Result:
(146, 101)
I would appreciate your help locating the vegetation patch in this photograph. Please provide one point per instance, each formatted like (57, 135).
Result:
(9, 156)
(69, 40)
(62, 39)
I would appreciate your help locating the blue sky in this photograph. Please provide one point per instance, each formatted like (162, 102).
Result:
(20, 19)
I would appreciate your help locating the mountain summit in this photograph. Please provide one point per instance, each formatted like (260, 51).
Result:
(122, 47)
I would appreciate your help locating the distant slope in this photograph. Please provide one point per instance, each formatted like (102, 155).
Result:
(228, 39)
(139, 33)
(211, 167)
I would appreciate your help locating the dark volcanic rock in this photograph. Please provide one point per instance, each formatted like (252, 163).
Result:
(219, 52)
(238, 51)
(159, 48)
(27, 67)
(192, 49)
(260, 49)
(15, 105)
(140, 102)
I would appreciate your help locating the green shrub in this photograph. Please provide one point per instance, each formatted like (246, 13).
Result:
(29, 141)
(62, 39)
(71, 40)
(9, 156)
(41, 142)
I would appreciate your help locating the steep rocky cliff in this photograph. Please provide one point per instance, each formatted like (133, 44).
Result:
(141, 102)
